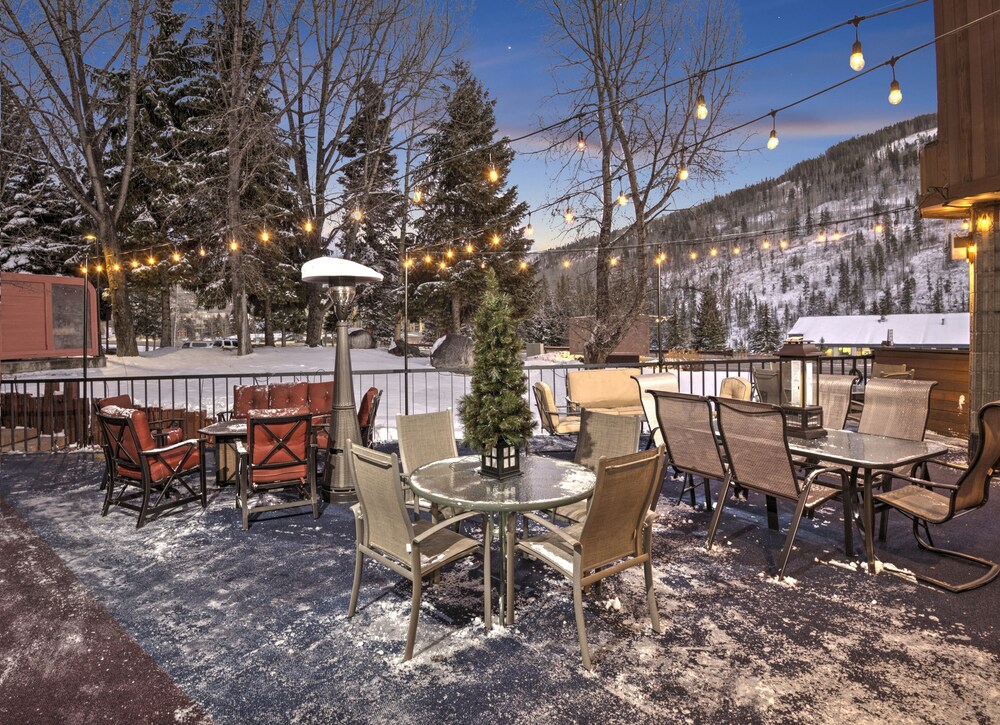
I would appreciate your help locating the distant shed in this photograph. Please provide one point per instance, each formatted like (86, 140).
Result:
(854, 334)
(41, 316)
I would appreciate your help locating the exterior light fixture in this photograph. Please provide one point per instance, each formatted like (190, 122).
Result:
(857, 57)
(772, 140)
(895, 95)
(701, 109)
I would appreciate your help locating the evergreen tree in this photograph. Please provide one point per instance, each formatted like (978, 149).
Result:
(809, 222)
(906, 299)
(497, 408)
(465, 179)
(368, 181)
(710, 332)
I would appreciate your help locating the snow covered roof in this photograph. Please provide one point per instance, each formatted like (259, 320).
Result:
(950, 329)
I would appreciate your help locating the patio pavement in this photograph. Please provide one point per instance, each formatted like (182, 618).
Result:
(191, 619)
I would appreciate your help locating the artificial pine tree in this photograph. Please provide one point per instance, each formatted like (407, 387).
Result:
(496, 413)
(464, 208)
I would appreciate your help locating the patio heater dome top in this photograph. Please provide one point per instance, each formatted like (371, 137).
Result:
(336, 271)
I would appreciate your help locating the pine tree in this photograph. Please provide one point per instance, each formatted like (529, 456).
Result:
(497, 408)
(462, 201)
(710, 332)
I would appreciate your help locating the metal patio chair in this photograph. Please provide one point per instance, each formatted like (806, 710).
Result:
(691, 448)
(165, 431)
(280, 454)
(602, 435)
(767, 380)
(735, 388)
(425, 438)
(367, 412)
(137, 462)
(835, 399)
(896, 408)
(666, 382)
(554, 420)
(891, 371)
(615, 535)
(920, 502)
(412, 549)
(759, 460)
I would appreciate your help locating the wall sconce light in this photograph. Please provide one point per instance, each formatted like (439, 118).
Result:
(963, 247)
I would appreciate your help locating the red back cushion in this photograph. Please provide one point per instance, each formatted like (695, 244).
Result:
(248, 397)
(266, 437)
(365, 409)
(288, 395)
(119, 401)
(141, 441)
(320, 398)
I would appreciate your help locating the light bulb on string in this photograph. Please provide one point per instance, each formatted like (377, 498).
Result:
(116, 267)
(569, 216)
(201, 251)
(737, 250)
(491, 173)
(581, 142)
(98, 268)
(357, 215)
(772, 140)
(783, 244)
(151, 260)
(565, 264)
(622, 197)
(176, 256)
(821, 237)
(83, 268)
(857, 57)
(450, 254)
(523, 266)
(442, 265)
(613, 261)
(308, 226)
(495, 240)
(713, 252)
(766, 244)
(408, 263)
(418, 196)
(135, 263)
(469, 249)
(895, 95)
(428, 259)
(682, 172)
(234, 246)
(879, 227)
(966, 225)
(836, 234)
(701, 109)
(694, 255)
(265, 237)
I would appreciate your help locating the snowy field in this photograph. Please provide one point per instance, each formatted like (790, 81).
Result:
(215, 371)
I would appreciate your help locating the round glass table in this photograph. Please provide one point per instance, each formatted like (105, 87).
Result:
(545, 483)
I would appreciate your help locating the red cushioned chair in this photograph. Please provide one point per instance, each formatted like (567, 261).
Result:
(279, 455)
(136, 461)
(366, 415)
(165, 431)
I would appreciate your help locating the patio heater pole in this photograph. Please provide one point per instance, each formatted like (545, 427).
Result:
(659, 317)
(341, 277)
(406, 333)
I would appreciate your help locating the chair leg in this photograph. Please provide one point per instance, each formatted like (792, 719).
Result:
(719, 505)
(244, 503)
(487, 573)
(654, 614)
(356, 588)
(792, 530)
(708, 496)
(581, 629)
(992, 568)
(509, 553)
(689, 484)
(201, 478)
(109, 494)
(411, 633)
(147, 492)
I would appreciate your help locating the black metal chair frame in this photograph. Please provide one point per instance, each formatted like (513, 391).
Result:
(245, 468)
(368, 431)
(115, 429)
(157, 428)
(993, 568)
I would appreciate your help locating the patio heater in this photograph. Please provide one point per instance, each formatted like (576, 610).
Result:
(798, 373)
(341, 276)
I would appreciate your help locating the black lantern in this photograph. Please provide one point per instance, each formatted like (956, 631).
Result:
(799, 378)
(501, 461)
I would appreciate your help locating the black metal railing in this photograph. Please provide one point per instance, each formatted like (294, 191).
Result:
(56, 413)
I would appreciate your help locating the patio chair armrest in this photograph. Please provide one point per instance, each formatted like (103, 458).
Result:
(557, 530)
(446, 523)
(815, 472)
(572, 405)
(916, 481)
(225, 415)
(241, 449)
(160, 423)
(190, 442)
(946, 464)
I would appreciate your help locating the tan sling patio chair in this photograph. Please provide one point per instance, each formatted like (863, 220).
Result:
(835, 399)
(757, 450)
(614, 536)
(425, 438)
(666, 382)
(735, 388)
(554, 421)
(768, 384)
(412, 549)
(602, 435)
(919, 501)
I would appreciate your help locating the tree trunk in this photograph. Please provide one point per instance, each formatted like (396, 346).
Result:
(456, 315)
(268, 324)
(166, 316)
(121, 305)
(316, 311)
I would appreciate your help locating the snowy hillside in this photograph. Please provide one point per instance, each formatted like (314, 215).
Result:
(837, 234)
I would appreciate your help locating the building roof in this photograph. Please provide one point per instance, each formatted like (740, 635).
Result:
(949, 329)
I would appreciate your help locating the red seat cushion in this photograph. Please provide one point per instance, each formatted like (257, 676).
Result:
(264, 439)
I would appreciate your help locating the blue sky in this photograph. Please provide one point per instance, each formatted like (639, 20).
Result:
(507, 50)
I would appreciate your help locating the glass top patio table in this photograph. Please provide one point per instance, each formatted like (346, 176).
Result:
(544, 483)
(865, 452)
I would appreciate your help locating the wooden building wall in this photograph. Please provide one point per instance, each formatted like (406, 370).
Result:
(41, 316)
(963, 166)
(950, 399)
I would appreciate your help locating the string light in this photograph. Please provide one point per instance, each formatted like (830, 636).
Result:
(984, 223)
(234, 245)
(357, 215)
(201, 250)
(682, 172)
(151, 260)
(450, 254)
(469, 249)
(408, 263)
(135, 263)
(622, 198)
(613, 261)
(836, 234)
(116, 267)
(581, 142)
(713, 252)
(418, 196)
(176, 256)
(265, 237)
(529, 231)
(857, 57)
(895, 95)
(495, 240)
(569, 216)
(90, 237)
(428, 259)
(83, 268)
(701, 109)
(766, 244)
(492, 174)
(98, 268)
(736, 250)
(966, 225)
(308, 226)
(565, 264)
(694, 255)
(783, 244)
(772, 140)
(524, 265)
(442, 265)
(821, 237)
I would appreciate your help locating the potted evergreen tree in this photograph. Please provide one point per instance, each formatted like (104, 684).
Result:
(495, 414)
